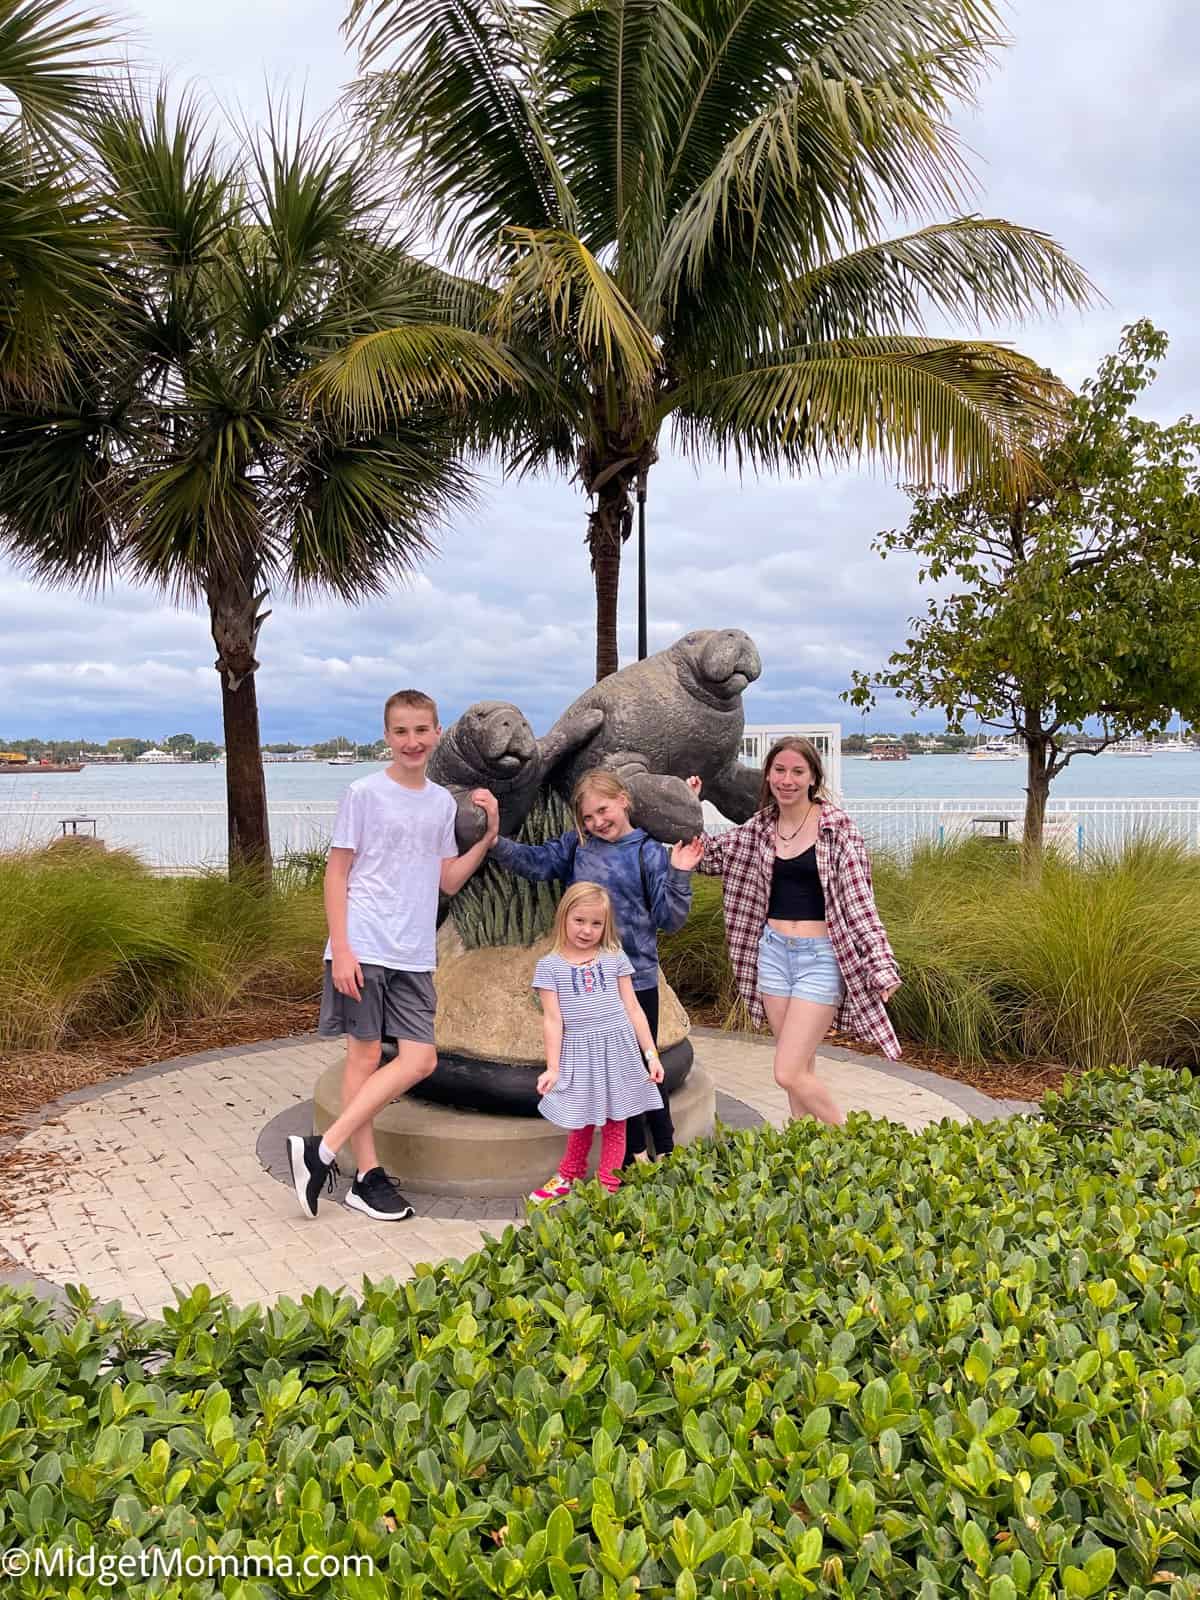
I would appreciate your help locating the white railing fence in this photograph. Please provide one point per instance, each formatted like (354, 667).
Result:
(184, 836)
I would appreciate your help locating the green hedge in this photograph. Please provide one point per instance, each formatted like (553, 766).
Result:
(839, 1362)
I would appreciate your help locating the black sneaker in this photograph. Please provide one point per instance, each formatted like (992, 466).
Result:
(378, 1195)
(309, 1173)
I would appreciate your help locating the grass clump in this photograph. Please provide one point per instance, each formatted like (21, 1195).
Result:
(1092, 962)
(91, 943)
(846, 1362)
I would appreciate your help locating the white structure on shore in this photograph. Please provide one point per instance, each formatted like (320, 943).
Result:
(160, 758)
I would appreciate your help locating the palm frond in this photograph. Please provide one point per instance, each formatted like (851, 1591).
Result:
(554, 276)
(450, 100)
(51, 55)
(613, 79)
(930, 51)
(397, 369)
(364, 510)
(937, 410)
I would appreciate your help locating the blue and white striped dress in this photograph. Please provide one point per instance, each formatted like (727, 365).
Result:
(601, 1074)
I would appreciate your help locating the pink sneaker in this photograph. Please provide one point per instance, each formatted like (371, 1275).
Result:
(553, 1189)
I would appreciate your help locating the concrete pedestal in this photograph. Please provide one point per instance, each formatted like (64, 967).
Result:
(443, 1151)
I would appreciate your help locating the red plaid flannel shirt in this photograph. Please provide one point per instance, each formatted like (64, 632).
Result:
(744, 859)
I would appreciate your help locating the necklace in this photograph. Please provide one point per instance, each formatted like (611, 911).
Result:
(786, 838)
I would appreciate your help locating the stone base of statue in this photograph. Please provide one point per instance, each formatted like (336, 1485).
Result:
(438, 1150)
(472, 1128)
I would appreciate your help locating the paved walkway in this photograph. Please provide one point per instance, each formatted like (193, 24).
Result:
(153, 1180)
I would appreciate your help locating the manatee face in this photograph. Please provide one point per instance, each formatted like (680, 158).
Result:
(495, 737)
(723, 661)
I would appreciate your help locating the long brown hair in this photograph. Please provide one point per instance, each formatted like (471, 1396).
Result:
(800, 747)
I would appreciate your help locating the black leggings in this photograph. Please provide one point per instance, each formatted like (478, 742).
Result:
(657, 1123)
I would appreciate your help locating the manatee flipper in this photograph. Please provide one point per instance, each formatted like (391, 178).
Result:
(567, 735)
(470, 823)
(665, 807)
(734, 791)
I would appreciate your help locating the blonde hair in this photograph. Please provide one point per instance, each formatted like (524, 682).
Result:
(605, 783)
(575, 894)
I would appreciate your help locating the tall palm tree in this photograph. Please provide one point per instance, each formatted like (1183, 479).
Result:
(179, 448)
(683, 202)
(52, 243)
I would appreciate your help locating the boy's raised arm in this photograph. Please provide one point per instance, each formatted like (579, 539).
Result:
(457, 869)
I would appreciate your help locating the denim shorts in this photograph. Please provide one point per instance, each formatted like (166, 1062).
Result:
(799, 969)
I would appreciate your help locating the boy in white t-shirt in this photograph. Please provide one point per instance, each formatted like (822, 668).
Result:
(393, 851)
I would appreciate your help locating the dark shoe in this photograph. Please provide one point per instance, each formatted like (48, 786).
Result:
(378, 1195)
(389, 1049)
(309, 1173)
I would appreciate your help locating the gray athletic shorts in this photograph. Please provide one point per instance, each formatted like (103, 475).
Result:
(399, 1005)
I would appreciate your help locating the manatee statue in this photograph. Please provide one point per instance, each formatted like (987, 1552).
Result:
(492, 746)
(676, 713)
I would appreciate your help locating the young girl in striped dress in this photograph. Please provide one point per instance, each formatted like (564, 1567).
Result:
(596, 1035)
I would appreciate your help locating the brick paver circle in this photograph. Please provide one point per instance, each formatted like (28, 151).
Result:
(154, 1180)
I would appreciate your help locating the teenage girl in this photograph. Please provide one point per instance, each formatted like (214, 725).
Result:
(649, 887)
(805, 940)
(596, 1035)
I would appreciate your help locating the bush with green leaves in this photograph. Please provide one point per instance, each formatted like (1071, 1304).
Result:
(844, 1362)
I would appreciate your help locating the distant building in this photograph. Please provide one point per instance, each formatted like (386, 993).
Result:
(157, 758)
(289, 755)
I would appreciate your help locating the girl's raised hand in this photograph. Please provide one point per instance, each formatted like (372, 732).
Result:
(694, 785)
(688, 856)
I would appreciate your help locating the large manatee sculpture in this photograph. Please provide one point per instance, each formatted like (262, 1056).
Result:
(675, 713)
(492, 746)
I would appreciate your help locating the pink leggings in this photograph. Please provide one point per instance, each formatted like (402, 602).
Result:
(573, 1165)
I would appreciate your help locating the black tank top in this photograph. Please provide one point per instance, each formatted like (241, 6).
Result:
(796, 893)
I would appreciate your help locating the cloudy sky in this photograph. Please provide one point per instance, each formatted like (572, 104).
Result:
(1085, 130)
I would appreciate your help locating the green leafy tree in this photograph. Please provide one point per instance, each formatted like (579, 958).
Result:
(1076, 602)
(678, 211)
(181, 743)
(183, 450)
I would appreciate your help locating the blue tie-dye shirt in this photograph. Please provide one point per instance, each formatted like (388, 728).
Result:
(615, 866)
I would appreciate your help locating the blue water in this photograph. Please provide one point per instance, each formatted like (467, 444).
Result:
(922, 777)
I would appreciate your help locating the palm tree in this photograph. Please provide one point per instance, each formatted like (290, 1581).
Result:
(179, 449)
(52, 244)
(683, 205)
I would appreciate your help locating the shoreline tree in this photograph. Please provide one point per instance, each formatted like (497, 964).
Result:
(679, 209)
(1076, 601)
(182, 449)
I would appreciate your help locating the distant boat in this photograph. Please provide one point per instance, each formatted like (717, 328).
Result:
(993, 750)
(887, 750)
(1132, 749)
(344, 758)
(18, 761)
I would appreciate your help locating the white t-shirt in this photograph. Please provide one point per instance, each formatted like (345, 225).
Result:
(400, 837)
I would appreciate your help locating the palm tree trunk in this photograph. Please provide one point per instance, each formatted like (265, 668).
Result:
(236, 620)
(608, 528)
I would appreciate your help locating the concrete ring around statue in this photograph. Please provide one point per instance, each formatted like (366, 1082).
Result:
(509, 1089)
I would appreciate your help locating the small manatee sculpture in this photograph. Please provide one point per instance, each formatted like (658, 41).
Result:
(492, 746)
(675, 713)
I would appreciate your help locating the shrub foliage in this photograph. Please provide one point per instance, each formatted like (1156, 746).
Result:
(849, 1362)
